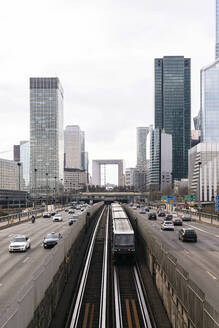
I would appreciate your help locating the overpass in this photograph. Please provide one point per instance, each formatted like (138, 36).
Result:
(124, 197)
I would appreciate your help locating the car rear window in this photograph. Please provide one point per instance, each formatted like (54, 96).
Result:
(190, 232)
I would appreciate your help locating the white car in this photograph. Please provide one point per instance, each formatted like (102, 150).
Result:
(20, 243)
(167, 225)
(57, 218)
(142, 210)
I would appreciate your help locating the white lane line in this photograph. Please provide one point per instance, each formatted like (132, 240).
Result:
(11, 235)
(25, 260)
(0, 285)
(210, 233)
(211, 275)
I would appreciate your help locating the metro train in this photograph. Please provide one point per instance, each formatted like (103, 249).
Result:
(123, 242)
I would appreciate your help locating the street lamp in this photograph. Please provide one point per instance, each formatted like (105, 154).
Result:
(19, 176)
(55, 190)
(199, 198)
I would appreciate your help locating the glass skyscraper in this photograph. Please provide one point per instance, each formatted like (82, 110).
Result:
(217, 30)
(46, 135)
(142, 133)
(173, 107)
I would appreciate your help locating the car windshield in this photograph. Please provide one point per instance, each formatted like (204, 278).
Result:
(19, 239)
(124, 240)
(168, 222)
(52, 235)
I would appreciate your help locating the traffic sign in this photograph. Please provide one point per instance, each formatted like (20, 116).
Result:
(217, 203)
(189, 198)
(171, 200)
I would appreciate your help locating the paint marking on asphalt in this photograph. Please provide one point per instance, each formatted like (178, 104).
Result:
(186, 252)
(11, 235)
(25, 260)
(0, 285)
(210, 233)
(212, 276)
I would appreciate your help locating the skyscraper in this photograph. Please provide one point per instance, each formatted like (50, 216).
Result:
(217, 30)
(142, 133)
(46, 134)
(73, 146)
(173, 107)
(25, 161)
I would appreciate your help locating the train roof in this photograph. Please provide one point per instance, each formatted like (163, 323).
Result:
(117, 209)
(119, 215)
(122, 226)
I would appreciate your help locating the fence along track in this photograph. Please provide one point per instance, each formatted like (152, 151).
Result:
(130, 306)
(86, 312)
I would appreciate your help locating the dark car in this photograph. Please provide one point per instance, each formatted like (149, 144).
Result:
(51, 239)
(161, 214)
(53, 213)
(73, 219)
(186, 217)
(152, 216)
(147, 209)
(187, 234)
(169, 217)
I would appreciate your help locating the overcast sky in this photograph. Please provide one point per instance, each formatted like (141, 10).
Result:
(103, 52)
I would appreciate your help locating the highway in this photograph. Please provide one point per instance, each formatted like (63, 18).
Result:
(18, 268)
(200, 260)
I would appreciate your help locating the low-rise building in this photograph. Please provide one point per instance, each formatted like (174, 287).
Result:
(74, 179)
(11, 176)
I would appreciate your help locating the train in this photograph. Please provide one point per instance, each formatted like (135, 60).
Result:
(123, 238)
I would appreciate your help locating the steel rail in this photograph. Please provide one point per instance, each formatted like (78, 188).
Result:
(102, 316)
(117, 300)
(77, 308)
(141, 299)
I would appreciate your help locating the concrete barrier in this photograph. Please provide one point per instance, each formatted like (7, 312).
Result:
(36, 302)
(184, 301)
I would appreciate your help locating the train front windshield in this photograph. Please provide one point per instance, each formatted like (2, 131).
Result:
(124, 240)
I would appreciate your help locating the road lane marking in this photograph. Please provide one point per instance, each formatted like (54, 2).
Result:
(128, 314)
(211, 275)
(210, 233)
(25, 260)
(0, 285)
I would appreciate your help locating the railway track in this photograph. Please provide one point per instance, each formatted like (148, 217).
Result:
(130, 306)
(91, 302)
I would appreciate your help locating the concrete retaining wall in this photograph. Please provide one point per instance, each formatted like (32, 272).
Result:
(184, 301)
(36, 302)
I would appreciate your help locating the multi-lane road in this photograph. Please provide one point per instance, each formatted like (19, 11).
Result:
(17, 268)
(200, 260)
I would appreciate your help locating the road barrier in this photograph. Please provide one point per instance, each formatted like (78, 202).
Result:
(184, 301)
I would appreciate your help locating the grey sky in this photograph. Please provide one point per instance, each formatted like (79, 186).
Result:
(103, 52)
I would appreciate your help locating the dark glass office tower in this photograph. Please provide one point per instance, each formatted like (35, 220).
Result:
(173, 107)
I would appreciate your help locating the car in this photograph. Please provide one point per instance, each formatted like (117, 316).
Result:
(177, 221)
(57, 218)
(147, 209)
(161, 214)
(186, 217)
(188, 234)
(142, 210)
(51, 239)
(152, 216)
(71, 211)
(67, 209)
(167, 225)
(46, 215)
(19, 243)
(73, 219)
(134, 207)
(53, 213)
(169, 217)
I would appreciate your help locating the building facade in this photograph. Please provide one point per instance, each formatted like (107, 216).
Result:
(11, 177)
(46, 135)
(160, 169)
(173, 107)
(204, 171)
(142, 133)
(209, 111)
(16, 153)
(217, 30)
(25, 161)
(74, 179)
(129, 176)
(73, 146)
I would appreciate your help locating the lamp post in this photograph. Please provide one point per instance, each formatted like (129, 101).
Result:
(199, 197)
(47, 190)
(19, 176)
(55, 190)
(35, 185)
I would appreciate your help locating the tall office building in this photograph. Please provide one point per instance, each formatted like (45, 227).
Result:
(142, 133)
(72, 137)
(83, 150)
(217, 30)
(160, 169)
(46, 135)
(173, 107)
(25, 162)
(16, 153)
